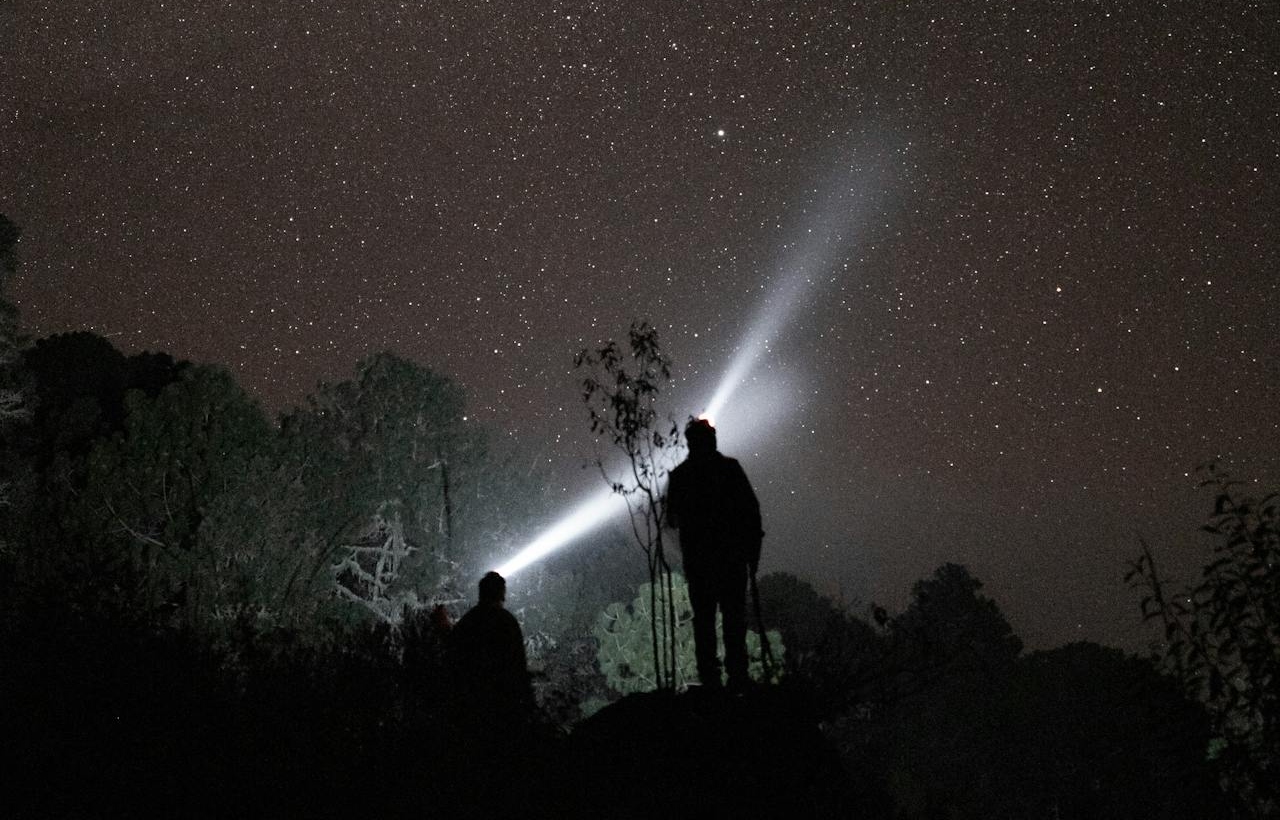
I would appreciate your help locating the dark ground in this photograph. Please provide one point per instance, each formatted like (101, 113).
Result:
(147, 729)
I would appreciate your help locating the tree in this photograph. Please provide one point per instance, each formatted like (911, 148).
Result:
(951, 628)
(351, 516)
(622, 403)
(1086, 731)
(13, 398)
(557, 602)
(950, 655)
(183, 502)
(78, 384)
(623, 630)
(66, 556)
(14, 401)
(153, 483)
(1222, 637)
(834, 658)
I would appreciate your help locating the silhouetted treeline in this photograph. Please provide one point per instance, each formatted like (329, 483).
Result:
(151, 490)
(200, 605)
(938, 713)
(1222, 636)
(207, 613)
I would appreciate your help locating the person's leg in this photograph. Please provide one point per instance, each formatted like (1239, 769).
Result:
(702, 595)
(733, 606)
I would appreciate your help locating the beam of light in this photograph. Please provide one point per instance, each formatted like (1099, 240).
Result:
(830, 231)
(598, 509)
(839, 218)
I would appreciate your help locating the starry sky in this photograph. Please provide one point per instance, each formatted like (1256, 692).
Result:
(1010, 269)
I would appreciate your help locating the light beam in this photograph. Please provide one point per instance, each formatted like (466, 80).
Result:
(839, 215)
(589, 515)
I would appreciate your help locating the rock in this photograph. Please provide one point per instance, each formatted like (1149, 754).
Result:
(702, 753)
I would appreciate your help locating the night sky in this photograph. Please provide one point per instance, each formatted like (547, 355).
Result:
(1016, 264)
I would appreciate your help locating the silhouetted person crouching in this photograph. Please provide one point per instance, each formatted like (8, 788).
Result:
(711, 503)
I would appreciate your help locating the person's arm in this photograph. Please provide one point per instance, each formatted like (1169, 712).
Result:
(671, 502)
(749, 510)
(522, 681)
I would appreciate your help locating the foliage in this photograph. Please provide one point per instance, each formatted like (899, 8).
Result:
(947, 718)
(156, 491)
(926, 719)
(153, 483)
(835, 659)
(1222, 637)
(623, 631)
(13, 397)
(556, 602)
(79, 384)
(622, 403)
(368, 572)
(1081, 731)
(349, 517)
(65, 554)
(118, 720)
(15, 404)
(1088, 731)
(950, 629)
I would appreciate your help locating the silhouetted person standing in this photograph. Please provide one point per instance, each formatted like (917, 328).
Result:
(486, 651)
(711, 503)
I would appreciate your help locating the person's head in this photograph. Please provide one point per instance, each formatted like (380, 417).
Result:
(493, 588)
(701, 436)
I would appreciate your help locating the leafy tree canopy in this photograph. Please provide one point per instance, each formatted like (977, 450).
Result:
(350, 514)
(836, 657)
(154, 482)
(1222, 637)
(949, 627)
